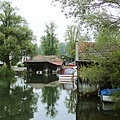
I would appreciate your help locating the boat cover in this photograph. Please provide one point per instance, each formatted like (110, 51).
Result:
(109, 91)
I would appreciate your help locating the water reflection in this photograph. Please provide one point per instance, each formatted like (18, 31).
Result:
(71, 102)
(53, 101)
(106, 108)
(16, 102)
(50, 95)
(41, 78)
(56, 103)
(90, 108)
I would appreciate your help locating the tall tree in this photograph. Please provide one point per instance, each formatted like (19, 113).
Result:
(15, 36)
(72, 35)
(49, 42)
(62, 47)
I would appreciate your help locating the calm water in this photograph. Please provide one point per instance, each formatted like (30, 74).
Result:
(41, 97)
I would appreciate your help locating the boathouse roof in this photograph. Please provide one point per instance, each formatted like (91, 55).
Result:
(51, 59)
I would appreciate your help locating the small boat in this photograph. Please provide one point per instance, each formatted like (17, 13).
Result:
(106, 94)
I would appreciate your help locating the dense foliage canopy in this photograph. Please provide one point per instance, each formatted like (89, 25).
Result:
(15, 36)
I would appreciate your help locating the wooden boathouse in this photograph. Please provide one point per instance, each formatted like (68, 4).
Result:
(43, 64)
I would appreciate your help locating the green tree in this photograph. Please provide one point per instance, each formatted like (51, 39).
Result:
(72, 35)
(15, 36)
(107, 54)
(49, 42)
(36, 49)
(99, 15)
(62, 48)
(103, 17)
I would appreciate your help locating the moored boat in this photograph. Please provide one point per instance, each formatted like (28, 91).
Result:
(106, 94)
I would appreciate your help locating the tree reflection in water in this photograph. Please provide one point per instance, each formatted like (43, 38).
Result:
(86, 109)
(71, 102)
(50, 95)
(16, 102)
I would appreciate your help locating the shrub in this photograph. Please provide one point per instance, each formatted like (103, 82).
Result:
(20, 65)
(6, 72)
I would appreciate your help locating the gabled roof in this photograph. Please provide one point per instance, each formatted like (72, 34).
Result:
(51, 59)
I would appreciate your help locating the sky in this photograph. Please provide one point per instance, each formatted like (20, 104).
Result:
(38, 13)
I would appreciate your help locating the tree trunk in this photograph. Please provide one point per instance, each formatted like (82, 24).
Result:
(7, 61)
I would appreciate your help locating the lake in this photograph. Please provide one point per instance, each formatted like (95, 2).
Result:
(42, 97)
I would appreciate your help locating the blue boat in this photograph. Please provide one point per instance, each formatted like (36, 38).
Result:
(106, 94)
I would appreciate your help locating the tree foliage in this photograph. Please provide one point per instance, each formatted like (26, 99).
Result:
(72, 35)
(107, 54)
(49, 42)
(6, 72)
(93, 14)
(102, 16)
(62, 47)
(15, 36)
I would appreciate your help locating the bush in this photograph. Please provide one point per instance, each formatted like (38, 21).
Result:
(20, 65)
(6, 72)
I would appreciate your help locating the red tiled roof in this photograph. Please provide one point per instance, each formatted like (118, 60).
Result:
(83, 46)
